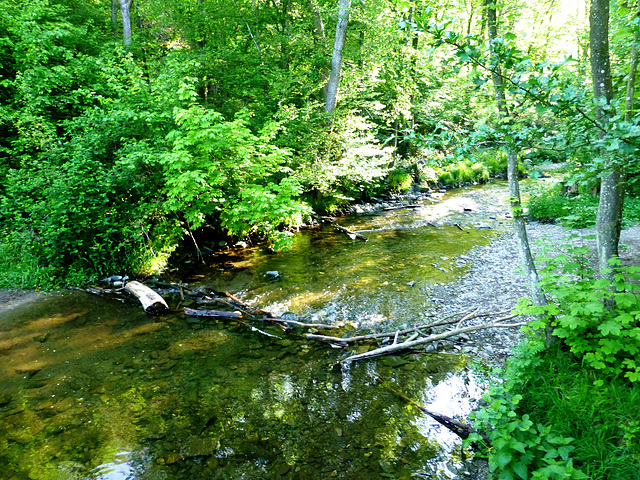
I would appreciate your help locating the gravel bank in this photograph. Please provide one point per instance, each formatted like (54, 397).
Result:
(494, 284)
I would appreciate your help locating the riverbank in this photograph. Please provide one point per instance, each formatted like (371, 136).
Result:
(10, 299)
(493, 284)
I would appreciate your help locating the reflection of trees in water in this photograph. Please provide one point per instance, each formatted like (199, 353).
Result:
(215, 402)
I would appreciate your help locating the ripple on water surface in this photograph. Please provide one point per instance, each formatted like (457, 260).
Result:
(94, 389)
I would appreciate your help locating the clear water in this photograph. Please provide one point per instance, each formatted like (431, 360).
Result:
(95, 389)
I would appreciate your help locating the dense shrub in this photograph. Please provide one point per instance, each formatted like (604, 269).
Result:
(400, 180)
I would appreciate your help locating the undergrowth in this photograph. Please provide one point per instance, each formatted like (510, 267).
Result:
(552, 204)
(571, 411)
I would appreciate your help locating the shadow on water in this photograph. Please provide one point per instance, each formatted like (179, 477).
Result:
(95, 389)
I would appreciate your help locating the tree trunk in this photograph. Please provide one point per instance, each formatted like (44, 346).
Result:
(125, 14)
(609, 217)
(631, 78)
(114, 16)
(152, 303)
(519, 225)
(284, 41)
(320, 36)
(336, 59)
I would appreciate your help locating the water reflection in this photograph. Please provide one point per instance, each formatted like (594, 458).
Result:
(94, 389)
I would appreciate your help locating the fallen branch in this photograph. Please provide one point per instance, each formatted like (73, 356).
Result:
(299, 324)
(377, 336)
(459, 428)
(460, 228)
(211, 313)
(351, 234)
(100, 292)
(409, 344)
(400, 207)
(152, 303)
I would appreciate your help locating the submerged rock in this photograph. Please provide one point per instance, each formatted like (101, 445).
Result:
(199, 446)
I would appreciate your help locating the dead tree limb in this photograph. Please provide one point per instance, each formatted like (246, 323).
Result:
(407, 345)
(211, 313)
(459, 428)
(299, 324)
(351, 234)
(152, 303)
(377, 336)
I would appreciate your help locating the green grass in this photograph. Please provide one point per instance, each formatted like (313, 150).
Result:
(551, 204)
(604, 420)
(21, 268)
(464, 171)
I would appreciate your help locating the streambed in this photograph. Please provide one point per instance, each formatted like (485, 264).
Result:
(95, 389)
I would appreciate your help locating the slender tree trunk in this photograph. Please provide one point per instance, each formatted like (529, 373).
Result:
(631, 79)
(320, 36)
(114, 16)
(519, 225)
(336, 59)
(125, 14)
(138, 19)
(609, 217)
(284, 42)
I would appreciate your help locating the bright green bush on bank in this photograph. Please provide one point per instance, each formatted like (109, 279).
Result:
(571, 411)
(552, 204)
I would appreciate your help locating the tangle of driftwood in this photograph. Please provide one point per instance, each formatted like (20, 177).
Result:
(416, 337)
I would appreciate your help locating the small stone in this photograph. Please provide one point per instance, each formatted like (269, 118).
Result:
(41, 337)
(272, 274)
(5, 399)
(172, 458)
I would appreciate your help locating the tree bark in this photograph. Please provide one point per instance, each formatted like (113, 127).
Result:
(152, 303)
(114, 16)
(519, 224)
(609, 217)
(336, 59)
(125, 14)
(320, 36)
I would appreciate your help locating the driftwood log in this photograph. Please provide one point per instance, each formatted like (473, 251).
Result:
(416, 336)
(352, 235)
(152, 303)
(459, 428)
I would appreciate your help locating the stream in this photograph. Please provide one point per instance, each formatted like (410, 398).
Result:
(95, 389)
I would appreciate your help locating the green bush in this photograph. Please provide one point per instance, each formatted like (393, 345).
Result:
(400, 180)
(496, 162)
(464, 171)
(598, 322)
(427, 175)
(551, 204)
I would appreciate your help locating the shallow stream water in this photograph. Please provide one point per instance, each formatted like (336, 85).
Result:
(92, 388)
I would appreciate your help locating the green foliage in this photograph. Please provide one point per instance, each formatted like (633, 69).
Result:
(464, 171)
(599, 323)
(552, 204)
(400, 180)
(520, 448)
(546, 415)
(20, 265)
(347, 164)
(219, 169)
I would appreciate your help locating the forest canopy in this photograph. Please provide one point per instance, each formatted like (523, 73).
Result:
(130, 128)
